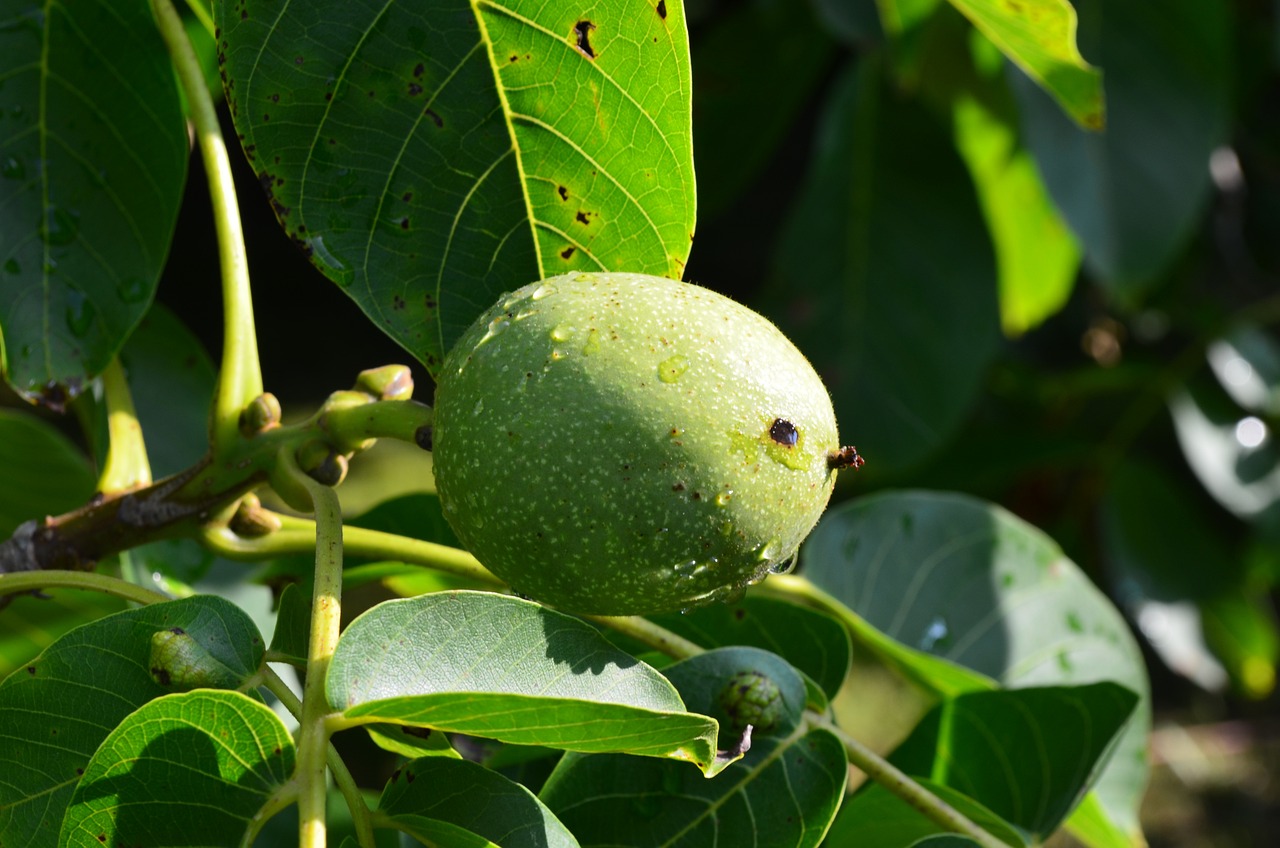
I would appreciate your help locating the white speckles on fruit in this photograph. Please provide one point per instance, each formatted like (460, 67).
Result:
(645, 444)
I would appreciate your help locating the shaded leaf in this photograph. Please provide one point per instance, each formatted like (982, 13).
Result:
(95, 158)
(743, 107)
(784, 791)
(507, 669)
(815, 644)
(479, 802)
(1133, 203)
(1039, 36)
(886, 247)
(220, 753)
(172, 382)
(966, 581)
(290, 639)
(31, 624)
(56, 710)
(428, 157)
(44, 474)
(1028, 755)
(876, 818)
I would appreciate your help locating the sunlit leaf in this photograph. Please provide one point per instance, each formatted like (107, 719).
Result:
(201, 761)
(1036, 254)
(970, 583)
(56, 710)
(94, 161)
(784, 791)
(1039, 36)
(507, 669)
(428, 157)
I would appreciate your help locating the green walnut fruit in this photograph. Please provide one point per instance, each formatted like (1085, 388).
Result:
(621, 444)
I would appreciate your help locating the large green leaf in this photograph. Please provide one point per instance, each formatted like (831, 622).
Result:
(479, 802)
(889, 275)
(55, 711)
(1039, 36)
(94, 160)
(1028, 755)
(784, 791)
(1133, 194)
(429, 156)
(968, 582)
(508, 669)
(186, 769)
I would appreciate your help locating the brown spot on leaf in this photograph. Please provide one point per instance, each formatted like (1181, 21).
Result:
(418, 70)
(436, 119)
(662, 9)
(414, 89)
(582, 218)
(567, 252)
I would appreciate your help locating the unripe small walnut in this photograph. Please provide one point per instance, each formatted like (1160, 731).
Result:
(751, 698)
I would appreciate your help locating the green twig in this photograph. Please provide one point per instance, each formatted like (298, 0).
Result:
(126, 466)
(240, 375)
(645, 631)
(894, 780)
(326, 613)
(298, 535)
(27, 581)
(360, 815)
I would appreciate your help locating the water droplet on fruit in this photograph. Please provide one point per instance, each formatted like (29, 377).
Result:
(769, 550)
(478, 408)
(592, 345)
(497, 327)
(672, 368)
(785, 566)
(562, 333)
(687, 568)
(542, 291)
(723, 498)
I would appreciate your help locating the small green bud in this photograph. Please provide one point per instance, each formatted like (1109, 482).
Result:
(180, 663)
(251, 521)
(390, 382)
(322, 463)
(262, 413)
(750, 698)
